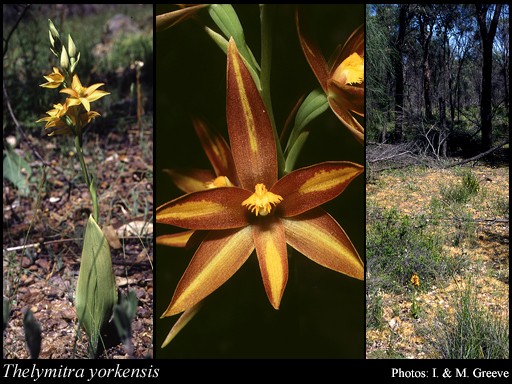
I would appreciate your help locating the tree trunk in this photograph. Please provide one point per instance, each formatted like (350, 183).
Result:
(399, 71)
(425, 21)
(443, 135)
(487, 43)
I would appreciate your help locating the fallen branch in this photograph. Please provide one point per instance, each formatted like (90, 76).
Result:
(479, 156)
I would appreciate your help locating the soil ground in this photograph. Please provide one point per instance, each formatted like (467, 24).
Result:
(411, 193)
(50, 268)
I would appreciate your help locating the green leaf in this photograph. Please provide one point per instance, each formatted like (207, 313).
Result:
(13, 166)
(314, 105)
(32, 334)
(227, 20)
(6, 310)
(124, 314)
(291, 159)
(96, 291)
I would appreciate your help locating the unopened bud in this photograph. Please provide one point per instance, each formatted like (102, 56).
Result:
(56, 45)
(52, 41)
(53, 30)
(64, 60)
(71, 47)
(73, 64)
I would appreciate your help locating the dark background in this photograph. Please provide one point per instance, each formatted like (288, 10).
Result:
(322, 311)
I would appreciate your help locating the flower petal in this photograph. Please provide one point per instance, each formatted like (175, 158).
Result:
(189, 179)
(217, 150)
(176, 239)
(85, 103)
(97, 95)
(320, 238)
(311, 49)
(75, 83)
(309, 187)
(348, 120)
(270, 243)
(217, 208)
(250, 130)
(69, 91)
(169, 19)
(182, 321)
(218, 257)
(61, 131)
(90, 90)
(348, 96)
(355, 43)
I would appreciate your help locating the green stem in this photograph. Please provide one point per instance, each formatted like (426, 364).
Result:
(91, 186)
(267, 18)
(82, 162)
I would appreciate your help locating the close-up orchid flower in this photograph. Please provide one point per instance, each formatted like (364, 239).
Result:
(343, 81)
(260, 213)
(241, 220)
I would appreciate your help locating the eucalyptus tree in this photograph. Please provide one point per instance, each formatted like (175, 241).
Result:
(488, 25)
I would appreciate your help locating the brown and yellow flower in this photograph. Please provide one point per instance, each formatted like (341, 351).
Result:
(262, 213)
(343, 82)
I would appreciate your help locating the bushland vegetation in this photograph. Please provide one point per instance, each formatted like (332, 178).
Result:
(438, 75)
(437, 166)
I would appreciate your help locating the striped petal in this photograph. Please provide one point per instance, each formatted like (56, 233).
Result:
(311, 49)
(348, 120)
(169, 19)
(355, 43)
(218, 257)
(319, 237)
(217, 150)
(217, 208)
(182, 322)
(309, 187)
(270, 243)
(348, 96)
(189, 179)
(175, 240)
(250, 130)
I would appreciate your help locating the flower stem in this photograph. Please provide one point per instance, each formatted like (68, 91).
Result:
(266, 19)
(90, 185)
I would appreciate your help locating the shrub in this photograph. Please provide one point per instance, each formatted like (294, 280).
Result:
(397, 247)
(470, 332)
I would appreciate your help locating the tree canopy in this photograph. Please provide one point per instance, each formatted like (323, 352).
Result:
(438, 73)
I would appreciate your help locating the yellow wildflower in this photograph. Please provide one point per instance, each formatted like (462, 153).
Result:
(55, 79)
(81, 95)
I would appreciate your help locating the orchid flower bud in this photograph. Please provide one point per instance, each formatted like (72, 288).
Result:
(64, 59)
(71, 48)
(53, 30)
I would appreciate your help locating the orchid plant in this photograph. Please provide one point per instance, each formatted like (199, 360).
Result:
(96, 291)
(255, 199)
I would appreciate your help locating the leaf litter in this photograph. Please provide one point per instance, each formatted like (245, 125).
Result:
(411, 193)
(51, 262)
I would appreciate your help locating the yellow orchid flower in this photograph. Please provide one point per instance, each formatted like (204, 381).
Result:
(56, 118)
(81, 95)
(415, 280)
(55, 113)
(55, 79)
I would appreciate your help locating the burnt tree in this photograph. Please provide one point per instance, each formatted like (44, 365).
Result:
(487, 43)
